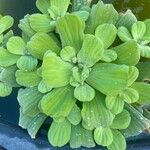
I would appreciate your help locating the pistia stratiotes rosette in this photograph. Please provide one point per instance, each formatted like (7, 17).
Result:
(76, 72)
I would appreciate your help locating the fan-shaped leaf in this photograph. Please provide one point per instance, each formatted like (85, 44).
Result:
(82, 14)
(43, 5)
(59, 133)
(5, 90)
(144, 51)
(44, 88)
(55, 71)
(91, 51)
(109, 56)
(59, 102)
(147, 33)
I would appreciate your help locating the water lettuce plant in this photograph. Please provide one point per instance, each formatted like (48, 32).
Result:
(78, 64)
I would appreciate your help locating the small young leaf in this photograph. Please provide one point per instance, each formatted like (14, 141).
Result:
(119, 141)
(144, 51)
(55, 71)
(103, 136)
(84, 93)
(81, 137)
(122, 120)
(5, 90)
(91, 51)
(43, 88)
(107, 34)
(59, 133)
(43, 5)
(16, 45)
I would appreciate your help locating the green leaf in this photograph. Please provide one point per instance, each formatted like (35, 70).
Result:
(75, 115)
(124, 34)
(55, 71)
(109, 56)
(130, 95)
(59, 133)
(143, 90)
(107, 77)
(103, 136)
(6, 37)
(147, 33)
(126, 19)
(59, 102)
(81, 137)
(119, 142)
(101, 13)
(107, 33)
(91, 51)
(41, 23)
(69, 37)
(7, 59)
(138, 30)
(68, 53)
(44, 88)
(144, 51)
(133, 75)
(43, 5)
(27, 79)
(84, 93)
(29, 99)
(32, 124)
(6, 22)
(114, 102)
(41, 43)
(58, 8)
(82, 14)
(95, 113)
(138, 122)
(122, 120)
(128, 53)
(27, 63)
(16, 45)
(7, 76)
(5, 90)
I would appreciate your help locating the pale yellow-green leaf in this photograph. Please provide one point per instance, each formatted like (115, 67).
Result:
(5, 90)
(144, 50)
(43, 5)
(82, 14)
(44, 88)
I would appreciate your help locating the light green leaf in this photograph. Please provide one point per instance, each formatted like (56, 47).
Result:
(82, 14)
(101, 13)
(138, 122)
(59, 102)
(107, 34)
(124, 34)
(128, 53)
(6, 22)
(43, 5)
(115, 103)
(27, 79)
(103, 136)
(122, 120)
(147, 33)
(58, 8)
(144, 51)
(68, 54)
(5, 90)
(75, 115)
(133, 75)
(7, 76)
(6, 37)
(16, 45)
(109, 56)
(91, 51)
(29, 99)
(143, 90)
(7, 59)
(138, 30)
(107, 77)
(59, 133)
(81, 137)
(41, 43)
(130, 95)
(41, 23)
(44, 88)
(84, 93)
(70, 29)
(126, 19)
(32, 124)
(27, 63)
(119, 141)
(95, 113)
(55, 71)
